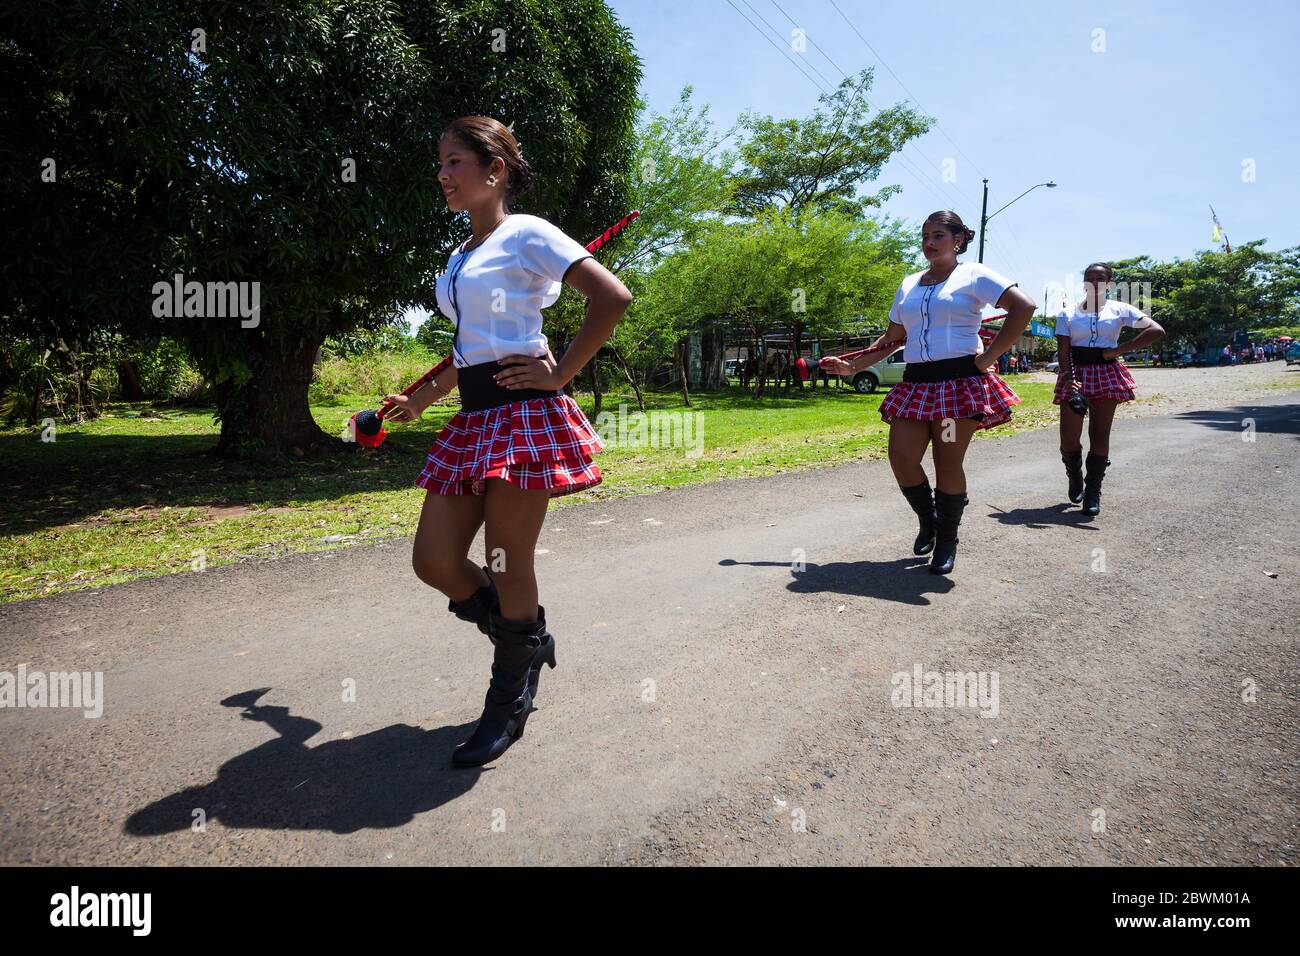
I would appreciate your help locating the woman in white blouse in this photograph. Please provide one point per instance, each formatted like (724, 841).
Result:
(949, 390)
(1087, 335)
(518, 439)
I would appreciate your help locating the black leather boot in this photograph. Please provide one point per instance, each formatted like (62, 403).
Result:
(478, 605)
(948, 509)
(922, 501)
(508, 702)
(1074, 471)
(1092, 484)
(545, 653)
(483, 603)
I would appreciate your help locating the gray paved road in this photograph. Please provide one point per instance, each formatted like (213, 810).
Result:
(712, 703)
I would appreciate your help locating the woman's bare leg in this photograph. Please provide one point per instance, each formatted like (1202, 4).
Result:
(950, 438)
(448, 524)
(514, 521)
(907, 441)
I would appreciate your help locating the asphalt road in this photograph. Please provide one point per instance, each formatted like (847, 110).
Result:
(714, 703)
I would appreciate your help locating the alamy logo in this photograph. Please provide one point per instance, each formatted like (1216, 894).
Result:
(208, 300)
(922, 688)
(75, 689)
(103, 909)
(653, 429)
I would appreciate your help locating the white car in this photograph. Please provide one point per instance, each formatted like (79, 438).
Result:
(888, 371)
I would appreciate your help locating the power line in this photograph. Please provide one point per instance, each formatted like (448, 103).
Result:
(779, 48)
(908, 165)
(778, 33)
(914, 145)
(904, 86)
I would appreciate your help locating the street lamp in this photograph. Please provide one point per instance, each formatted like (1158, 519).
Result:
(984, 217)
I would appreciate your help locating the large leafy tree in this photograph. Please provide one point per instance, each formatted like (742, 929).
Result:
(292, 144)
(820, 162)
(820, 269)
(1212, 295)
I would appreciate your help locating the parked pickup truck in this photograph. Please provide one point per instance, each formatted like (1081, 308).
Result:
(888, 371)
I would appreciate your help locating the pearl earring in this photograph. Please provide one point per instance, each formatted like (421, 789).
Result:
(492, 180)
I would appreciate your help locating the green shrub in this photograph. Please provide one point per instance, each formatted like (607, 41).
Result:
(372, 374)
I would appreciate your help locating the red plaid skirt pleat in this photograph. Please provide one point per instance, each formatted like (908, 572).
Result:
(1109, 381)
(536, 443)
(985, 397)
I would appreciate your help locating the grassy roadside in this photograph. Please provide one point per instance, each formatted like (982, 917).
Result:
(131, 495)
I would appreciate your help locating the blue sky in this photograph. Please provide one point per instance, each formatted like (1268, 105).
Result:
(1142, 137)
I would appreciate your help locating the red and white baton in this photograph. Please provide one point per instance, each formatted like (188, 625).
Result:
(367, 428)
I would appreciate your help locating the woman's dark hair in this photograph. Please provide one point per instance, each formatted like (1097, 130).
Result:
(1110, 273)
(489, 139)
(952, 222)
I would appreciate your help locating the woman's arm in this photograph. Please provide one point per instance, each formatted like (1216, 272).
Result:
(838, 366)
(1154, 332)
(1020, 309)
(409, 408)
(1064, 360)
(607, 300)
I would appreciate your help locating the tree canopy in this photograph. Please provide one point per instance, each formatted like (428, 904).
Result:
(289, 144)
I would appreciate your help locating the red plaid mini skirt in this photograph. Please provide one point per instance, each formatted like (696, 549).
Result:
(1109, 381)
(535, 443)
(985, 397)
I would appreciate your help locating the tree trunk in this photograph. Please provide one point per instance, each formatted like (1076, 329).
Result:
(631, 380)
(128, 382)
(679, 351)
(268, 416)
(593, 367)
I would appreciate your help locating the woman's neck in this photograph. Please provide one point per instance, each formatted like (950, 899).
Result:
(484, 219)
(940, 270)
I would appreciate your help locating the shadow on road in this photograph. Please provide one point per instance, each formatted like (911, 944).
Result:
(905, 580)
(1061, 515)
(1268, 420)
(381, 779)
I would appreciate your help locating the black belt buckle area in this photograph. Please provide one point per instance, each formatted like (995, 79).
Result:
(479, 390)
(1087, 355)
(963, 366)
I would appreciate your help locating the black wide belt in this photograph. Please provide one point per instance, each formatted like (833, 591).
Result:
(963, 366)
(479, 390)
(1086, 355)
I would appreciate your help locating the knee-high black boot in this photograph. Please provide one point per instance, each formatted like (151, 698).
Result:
(1092, 484)
(922, 501)
(478, 608)
(478, 605)
(508, 702)
(948, 509)
(1074, 472)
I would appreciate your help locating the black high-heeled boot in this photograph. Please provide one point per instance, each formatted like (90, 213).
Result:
(1074, 472)
(922, 501)
(545, 653)
(947, 509)
(483, 603)
(1092, 484)
(508, 702)
(478, 606)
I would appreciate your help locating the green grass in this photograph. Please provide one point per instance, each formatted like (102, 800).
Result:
(127, 496)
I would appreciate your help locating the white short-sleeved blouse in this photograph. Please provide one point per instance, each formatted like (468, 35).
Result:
(1099, 329)
(943, 320)
(501, 287)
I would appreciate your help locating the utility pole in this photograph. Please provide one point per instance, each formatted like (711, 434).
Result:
(984, 218)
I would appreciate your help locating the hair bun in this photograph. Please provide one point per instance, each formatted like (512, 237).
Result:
(522, 178)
